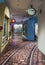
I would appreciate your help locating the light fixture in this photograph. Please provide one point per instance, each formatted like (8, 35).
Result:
(13, 21)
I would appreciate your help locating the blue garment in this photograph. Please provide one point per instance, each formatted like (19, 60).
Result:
(31, 28)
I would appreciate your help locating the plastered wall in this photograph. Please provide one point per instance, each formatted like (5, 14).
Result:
(3, 11)
(1, 21)
(41, 29)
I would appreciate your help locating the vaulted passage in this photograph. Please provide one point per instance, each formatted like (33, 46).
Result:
(22, 39)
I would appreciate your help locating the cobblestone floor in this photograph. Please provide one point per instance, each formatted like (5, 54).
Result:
(38, 58)
(22, 56)
(10, 48)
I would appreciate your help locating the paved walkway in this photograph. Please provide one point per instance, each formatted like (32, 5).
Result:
(23, 55)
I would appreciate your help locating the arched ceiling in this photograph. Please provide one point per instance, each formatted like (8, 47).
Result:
(19, 4)
(19, 7)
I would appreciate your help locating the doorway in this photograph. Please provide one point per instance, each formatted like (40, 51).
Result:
(18, 31)
(5, 30)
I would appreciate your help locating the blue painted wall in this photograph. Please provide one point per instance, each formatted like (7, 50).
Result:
(2, 1)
